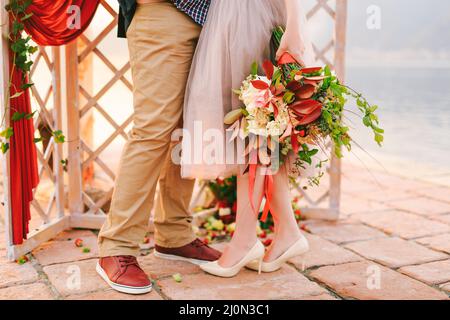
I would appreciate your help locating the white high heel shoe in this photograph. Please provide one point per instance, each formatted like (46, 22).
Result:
(298, 248)
(256, 253)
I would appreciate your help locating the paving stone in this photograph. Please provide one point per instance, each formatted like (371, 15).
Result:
(2, 240)
(430, 273)
(73, 234)
(286, 283)
(12, 273)
(440, 242)
(437, 193)
(445, 287)
(351, 204)
(53, 252)
(421, 205)
(74, 278)
(158, 268)
(343, 232)
(33, 291)
(114, 295)
(395, 252)
(369, 281)
(323, 296)
(445, 218)
(403, 224)
(387, 195)
(323, 252)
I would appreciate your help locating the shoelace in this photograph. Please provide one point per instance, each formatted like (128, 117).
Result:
(126, 261)
(198, 243)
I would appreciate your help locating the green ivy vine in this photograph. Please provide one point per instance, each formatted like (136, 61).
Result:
(22, 49)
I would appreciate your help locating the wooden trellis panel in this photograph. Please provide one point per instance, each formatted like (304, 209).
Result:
(325, 205)
(86, 211)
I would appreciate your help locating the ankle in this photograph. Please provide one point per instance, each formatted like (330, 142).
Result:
(243, 243)
(287, 234)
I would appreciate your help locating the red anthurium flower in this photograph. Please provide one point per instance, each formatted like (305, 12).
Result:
(305, 107)
(268, 69)
(310, 82)
(286, 58)
(294, 86)
(316, 79)
(260, 85)
(305, 92)
(302, 133)
(311, 70)
(311, 117)
(277, 90)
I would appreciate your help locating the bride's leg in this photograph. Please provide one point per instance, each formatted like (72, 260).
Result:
(287, 231)
(244, 236)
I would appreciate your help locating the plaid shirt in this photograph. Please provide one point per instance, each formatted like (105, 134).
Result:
(196, 9)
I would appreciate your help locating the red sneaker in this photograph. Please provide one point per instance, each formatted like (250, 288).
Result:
(196, 252)
(123, 273)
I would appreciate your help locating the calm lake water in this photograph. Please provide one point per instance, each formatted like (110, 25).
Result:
(415, 112)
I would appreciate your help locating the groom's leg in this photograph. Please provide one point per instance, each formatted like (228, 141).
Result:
(161, 41)
(173, 221)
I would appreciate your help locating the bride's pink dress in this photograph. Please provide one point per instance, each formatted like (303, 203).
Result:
(236, 34)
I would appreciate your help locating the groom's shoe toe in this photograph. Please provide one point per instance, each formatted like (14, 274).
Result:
(195, 252)
(123, 274)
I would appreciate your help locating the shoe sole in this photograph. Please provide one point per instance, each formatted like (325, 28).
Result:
(178, 258)
(120, 287)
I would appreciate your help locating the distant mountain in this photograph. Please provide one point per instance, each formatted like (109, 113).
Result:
(405, 24)
(413, 32)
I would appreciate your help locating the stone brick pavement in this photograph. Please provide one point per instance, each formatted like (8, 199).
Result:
(393, 242)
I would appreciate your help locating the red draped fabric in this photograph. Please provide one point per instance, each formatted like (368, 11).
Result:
(52, 21)
(51, 24)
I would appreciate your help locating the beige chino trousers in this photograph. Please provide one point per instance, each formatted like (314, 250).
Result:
(161, 42)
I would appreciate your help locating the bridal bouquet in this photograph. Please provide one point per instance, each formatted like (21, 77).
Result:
(299, 108)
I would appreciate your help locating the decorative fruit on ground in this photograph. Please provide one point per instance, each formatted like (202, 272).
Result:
(221, 224)
(177, 277)
(78, 243)
(22, 260)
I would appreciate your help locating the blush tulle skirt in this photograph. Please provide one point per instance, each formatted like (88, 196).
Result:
(236, 34)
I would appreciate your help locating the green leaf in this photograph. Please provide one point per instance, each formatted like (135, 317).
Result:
(289, 97)
(58, 136)
(367, 122)
(5, 147)
(327, 71)
(7, 133)
(16, 95)
(254, 69)
(18, 116)
(37, 140)
(27, 16)
(26, 86)
(30, 115)
(379, 138)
